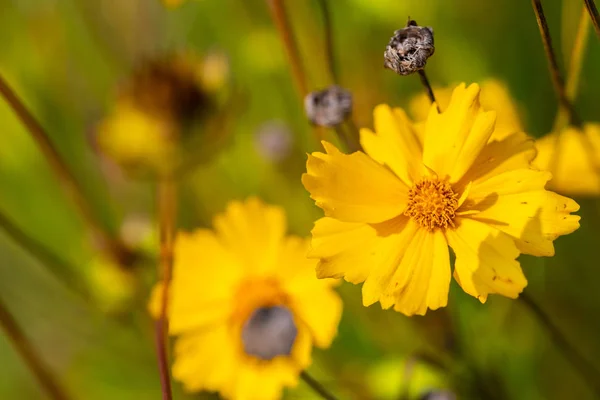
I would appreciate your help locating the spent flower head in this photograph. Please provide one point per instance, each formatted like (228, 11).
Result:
(328, 107)
(245, 305)
(408, 50)
(392, 212)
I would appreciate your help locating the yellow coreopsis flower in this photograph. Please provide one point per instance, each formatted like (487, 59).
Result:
(573, 157)
(494, 96)
(393, 211)
(246, 306)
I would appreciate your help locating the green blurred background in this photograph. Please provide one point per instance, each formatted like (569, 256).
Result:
(65, 58)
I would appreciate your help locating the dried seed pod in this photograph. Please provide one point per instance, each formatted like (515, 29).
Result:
(328, 107)
(409, 49)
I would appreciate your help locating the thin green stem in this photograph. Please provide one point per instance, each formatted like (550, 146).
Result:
(428, 88)
(557, 79)
(115, 248)
(593, 11)
(284, 28)
(329, 45)
(575, 66)
(167, 208)
(32, 359)
(585, 368)
(316, 386)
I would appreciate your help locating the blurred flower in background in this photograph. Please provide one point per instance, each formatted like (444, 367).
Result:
(246, 306)
(573, 157)
(161, 115)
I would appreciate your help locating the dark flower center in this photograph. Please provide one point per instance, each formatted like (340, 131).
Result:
(269, 332)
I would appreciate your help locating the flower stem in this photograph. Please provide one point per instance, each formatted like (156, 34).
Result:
(57, 266)
(585, 368)
(575, 65)
(331, 64)
(428, 88)
(33, 360)
(316, 386)
(167, 205)
(591, 7)
(557, 79)
(284, 28)
(115, 248)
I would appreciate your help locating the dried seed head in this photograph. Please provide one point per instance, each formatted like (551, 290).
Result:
(328, 107)
(409, 49)
(269, 332)
(170, 86)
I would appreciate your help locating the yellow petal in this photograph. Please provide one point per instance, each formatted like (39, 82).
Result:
(353, 250)
(313, 301)
(203, 283)
(206, 359)
(254, 232)
(573, 157)
(394, 143)
(514, 152)
(533, 217)
(485, 260)
(422, 279)
(454, 138)
(494, 96)
(353, 188)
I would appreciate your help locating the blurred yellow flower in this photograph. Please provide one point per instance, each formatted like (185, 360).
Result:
(246, 306)
(166, 113)
(392, 211)
(494, 96)
(573, 157)
(136, 139)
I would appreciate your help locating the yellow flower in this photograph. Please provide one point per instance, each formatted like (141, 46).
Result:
(494, 96)
(168, 114)
(246, 306)
(136, 139)
(573, 157)
(392, 212)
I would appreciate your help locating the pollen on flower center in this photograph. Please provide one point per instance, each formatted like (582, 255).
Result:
(432, 204)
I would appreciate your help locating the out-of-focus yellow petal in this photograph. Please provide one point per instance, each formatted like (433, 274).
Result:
(206, 359)
(205, 277)
(494, 96)
(573, 157)
(422, 279)
(394, 143)
(454, 138)
(353, 188)
(485, 260)
(253, 232)
(313, 300)
(136, 139)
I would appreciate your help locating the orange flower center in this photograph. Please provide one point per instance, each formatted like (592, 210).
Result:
(432, 204)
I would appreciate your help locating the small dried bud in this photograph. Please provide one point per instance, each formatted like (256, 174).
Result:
(269, 332)
(328, 107)
(409, 49)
